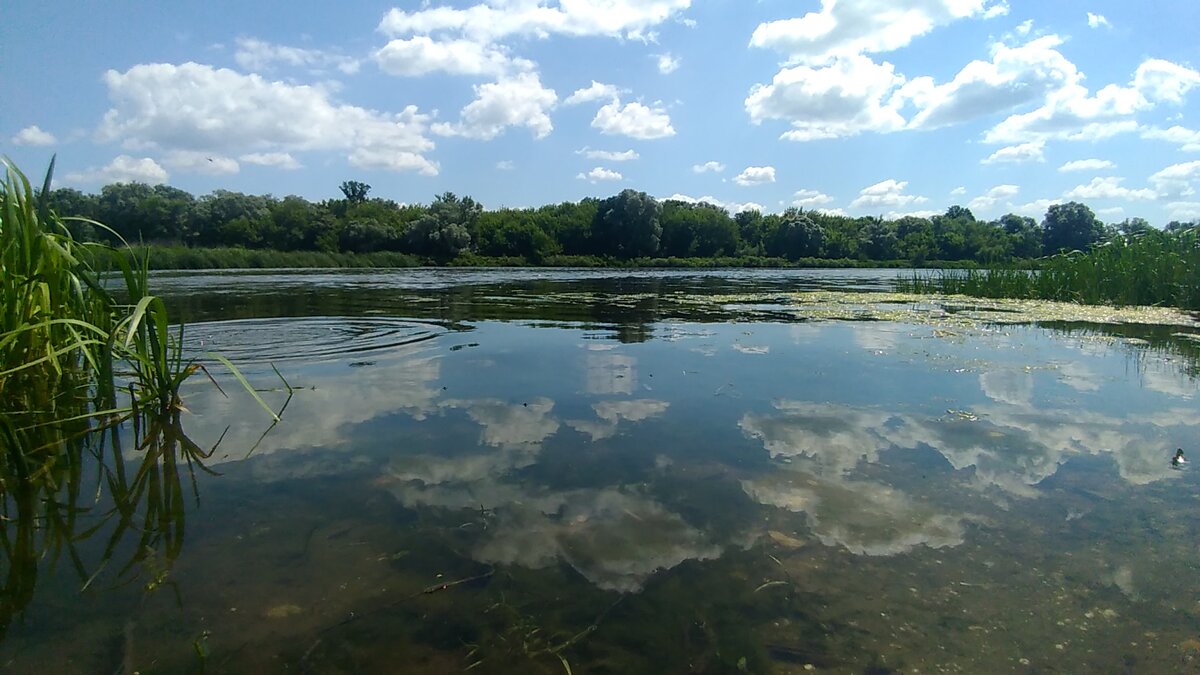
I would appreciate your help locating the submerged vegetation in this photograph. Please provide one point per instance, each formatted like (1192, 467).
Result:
(1149, 267)
(89, 363)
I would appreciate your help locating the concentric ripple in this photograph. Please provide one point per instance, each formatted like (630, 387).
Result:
(304, 338)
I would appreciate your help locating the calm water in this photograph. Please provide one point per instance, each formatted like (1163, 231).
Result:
(516, 471)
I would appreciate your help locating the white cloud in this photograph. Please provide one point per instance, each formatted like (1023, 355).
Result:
(667, 63)
(517, 101)
(843, 99)
(1187, 139)
(506, 165)
(279, 160)
(1183, 211)
(1108, 187)
(599, 174)
(1072, 113)
(1016, 154)
(217, 110)
(755, 175)
(993, 196)
(960, 190)
(1087, 165)
(1177, 180)
(254, 54)
(630, 19)
(715, 167)
(996, 10)
(421, 55)
(596, 91)
(1097, 20)
(33, 135)
(1024, 27)
(885, 193)
(609, 155)
(191, 161)
(1014, 76)
(810, 198)
(1036, 208)
(123, 169)
(732, 207)
(634, 120)
(842, 29)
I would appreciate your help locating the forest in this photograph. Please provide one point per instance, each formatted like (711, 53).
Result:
(627, 226)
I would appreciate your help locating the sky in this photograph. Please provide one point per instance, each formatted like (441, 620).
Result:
(860, 107)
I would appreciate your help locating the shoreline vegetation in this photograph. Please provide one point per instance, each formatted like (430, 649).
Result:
(1077, 257)
(91, 441)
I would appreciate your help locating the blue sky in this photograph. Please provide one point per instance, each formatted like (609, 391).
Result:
(864, 107)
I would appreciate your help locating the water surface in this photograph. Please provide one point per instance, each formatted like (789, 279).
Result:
(510, 471)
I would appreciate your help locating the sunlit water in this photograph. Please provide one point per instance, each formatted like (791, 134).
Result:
(526, 472)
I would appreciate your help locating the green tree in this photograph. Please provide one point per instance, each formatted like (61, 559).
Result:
(1024, 235)
(355, 191)
(797, 236)
(1070, 226)
(627, 225)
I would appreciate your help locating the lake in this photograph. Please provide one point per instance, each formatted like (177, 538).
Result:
(552, 471)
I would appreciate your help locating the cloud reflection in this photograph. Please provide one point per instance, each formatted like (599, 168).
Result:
(610, 374)
(611, 413)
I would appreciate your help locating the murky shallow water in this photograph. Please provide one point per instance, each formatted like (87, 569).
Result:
(514, 471)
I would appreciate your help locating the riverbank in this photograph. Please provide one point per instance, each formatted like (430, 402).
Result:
(195, 258)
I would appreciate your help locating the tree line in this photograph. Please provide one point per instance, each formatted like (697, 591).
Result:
(628, 225)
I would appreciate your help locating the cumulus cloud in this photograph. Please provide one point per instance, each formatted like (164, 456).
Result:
(201, 108)
(122, 169)
(190, 161)
(1014, 76)
(842, 29)
(506, 165)
(634, 120)
(421, 55)
(992, 197)
(1073, 113)
(629, 19)
(33, 135)
(609, 155)
(755, 175)
(596, 91)
(810, 198)
(1108, 188)
(1087, 165)
(1097, 20)
(667, 63)
(1018, 154)
(1177, 180)
(279, 160)
(599, 174)
(517, 101)
(259, 55)
(889, 193)
(1188, 140)
(843, 99)
(714, 167)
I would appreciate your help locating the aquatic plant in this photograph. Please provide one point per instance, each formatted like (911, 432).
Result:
(87, 357)
(1145, 268)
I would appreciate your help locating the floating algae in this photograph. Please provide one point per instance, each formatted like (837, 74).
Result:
(946, 311)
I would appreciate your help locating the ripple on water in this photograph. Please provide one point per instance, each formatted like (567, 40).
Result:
(304, 338)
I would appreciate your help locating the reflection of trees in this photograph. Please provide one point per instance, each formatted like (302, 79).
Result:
(135, 501)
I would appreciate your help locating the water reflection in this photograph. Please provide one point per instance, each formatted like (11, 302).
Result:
(852, 495)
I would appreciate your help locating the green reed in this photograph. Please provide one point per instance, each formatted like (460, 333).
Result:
(1148, 268)
(88, 357)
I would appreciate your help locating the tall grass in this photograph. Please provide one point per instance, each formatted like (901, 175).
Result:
(83, 364)
(1148, 268)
